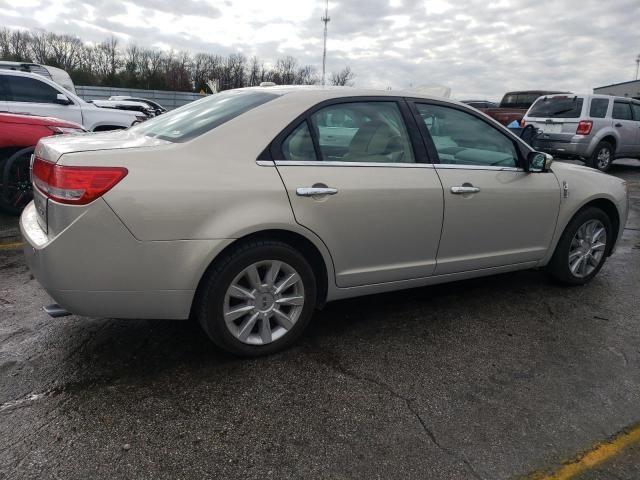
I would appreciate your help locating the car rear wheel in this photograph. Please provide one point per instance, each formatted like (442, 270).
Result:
(257, 299)
(583, 247)
(602, 157)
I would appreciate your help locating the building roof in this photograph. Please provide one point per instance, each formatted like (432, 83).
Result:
(617, 84)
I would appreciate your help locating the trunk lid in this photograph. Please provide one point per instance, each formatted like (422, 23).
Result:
(52, 148)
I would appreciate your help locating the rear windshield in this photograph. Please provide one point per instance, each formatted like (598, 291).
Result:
(203, 115)
(557, 107)
(518, 100)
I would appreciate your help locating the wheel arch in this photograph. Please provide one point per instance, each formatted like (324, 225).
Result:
(317, 256)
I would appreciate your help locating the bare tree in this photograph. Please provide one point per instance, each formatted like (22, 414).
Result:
(343, 78)
(108, 63)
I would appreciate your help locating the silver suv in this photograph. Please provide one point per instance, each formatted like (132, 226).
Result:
(594, 128)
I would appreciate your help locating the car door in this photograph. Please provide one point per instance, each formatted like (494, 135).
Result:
(36, 97)
(636, 118)
(496, 214)
(374, 202)
(3, 96)
(625, 126)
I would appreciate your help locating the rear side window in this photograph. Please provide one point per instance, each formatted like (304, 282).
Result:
(599, 107)
(298, 145)
(557, 107)
(518, 100)
(24, 89)
(201, 116)
(622, 111)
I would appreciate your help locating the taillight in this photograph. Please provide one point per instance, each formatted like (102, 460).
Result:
(74, 185)
(584, 127)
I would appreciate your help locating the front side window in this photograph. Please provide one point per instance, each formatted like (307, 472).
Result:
(203, 115)
(599, 107)
(463, 139)
(25, 89)
(362, 132)
(622, 111)
(636, 111)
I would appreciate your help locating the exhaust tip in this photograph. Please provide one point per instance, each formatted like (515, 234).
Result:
(55, 311)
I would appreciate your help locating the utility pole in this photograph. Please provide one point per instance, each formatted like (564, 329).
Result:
(637, 66)
(326, 20)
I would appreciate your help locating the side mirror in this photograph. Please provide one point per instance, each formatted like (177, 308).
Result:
(539, 162)
(62, 99)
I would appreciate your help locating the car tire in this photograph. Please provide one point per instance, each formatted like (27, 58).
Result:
(602, 157)
(247, 315)
(578, 244)
(16, 190)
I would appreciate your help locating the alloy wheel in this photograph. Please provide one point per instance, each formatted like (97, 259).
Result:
(604, 158)
(587, 248)
(263, 302)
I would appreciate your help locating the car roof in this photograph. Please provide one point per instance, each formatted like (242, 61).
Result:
(593, 95)
(320, 93)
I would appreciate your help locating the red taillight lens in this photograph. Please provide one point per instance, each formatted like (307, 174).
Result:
(74, 185)
(584, 127)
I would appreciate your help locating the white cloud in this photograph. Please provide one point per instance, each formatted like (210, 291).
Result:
(479, 48)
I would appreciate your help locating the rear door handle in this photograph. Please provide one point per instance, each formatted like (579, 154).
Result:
(315, 191)
(464, 189)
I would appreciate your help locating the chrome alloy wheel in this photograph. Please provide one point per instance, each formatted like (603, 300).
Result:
(587, 248)
(604, 158)
(263, 302)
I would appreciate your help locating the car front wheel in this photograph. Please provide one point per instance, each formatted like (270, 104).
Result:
(257, 299)
(583, 247)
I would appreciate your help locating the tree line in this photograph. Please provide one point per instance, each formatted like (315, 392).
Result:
(111, 63)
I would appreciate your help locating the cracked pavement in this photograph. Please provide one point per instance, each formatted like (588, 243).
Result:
(485, 379)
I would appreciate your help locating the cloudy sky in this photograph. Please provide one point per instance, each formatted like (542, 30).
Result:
(479, 48)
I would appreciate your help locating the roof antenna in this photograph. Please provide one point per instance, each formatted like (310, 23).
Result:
(326, 20)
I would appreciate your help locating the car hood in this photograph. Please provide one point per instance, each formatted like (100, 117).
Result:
(52, 148)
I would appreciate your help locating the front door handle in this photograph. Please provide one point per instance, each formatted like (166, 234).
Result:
(618, 125)
(315, 191)
(464, 189)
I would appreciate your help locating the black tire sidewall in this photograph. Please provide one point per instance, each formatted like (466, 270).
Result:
(593, 161)
(210, 312)
(558, 266)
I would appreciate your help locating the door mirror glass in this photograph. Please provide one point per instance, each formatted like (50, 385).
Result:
(539, 162)
(62, 99)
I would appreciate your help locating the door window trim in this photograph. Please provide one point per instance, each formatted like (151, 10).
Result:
(272, 154)
(522, 150)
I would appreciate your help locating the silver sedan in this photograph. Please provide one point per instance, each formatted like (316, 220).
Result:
(251, 208)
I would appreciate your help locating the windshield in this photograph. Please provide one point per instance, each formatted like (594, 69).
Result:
(203, 115)
(557, 107)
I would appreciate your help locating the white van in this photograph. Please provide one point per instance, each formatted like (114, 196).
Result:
(58, 75)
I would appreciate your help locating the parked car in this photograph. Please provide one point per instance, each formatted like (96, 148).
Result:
(480, 104)
(141, 108)
(514, 105)
(55, 74)
(594, 128)
(19, 135)
(157, 108)
(238, 210)
(31, 94)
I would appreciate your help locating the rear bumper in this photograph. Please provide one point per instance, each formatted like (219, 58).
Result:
(95, 267)
(563, 148)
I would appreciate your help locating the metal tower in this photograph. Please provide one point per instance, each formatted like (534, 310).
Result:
(326, 20)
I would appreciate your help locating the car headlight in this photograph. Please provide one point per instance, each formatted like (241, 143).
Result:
(66, 130)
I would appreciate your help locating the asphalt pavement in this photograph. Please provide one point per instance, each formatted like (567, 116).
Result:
(505, 377)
